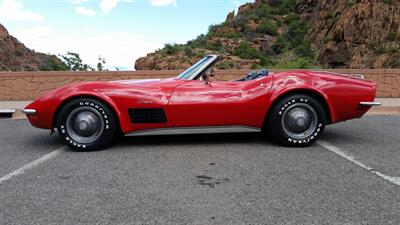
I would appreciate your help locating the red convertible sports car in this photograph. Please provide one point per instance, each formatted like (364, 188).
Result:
(293, 107)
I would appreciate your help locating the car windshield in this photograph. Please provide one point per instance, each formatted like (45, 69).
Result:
(188, 74)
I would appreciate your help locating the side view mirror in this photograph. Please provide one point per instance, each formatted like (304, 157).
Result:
(207, 75)
(206, 79)
(211, 72)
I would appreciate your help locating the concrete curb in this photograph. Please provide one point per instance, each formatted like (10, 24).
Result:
(18, 115)
(384, 110)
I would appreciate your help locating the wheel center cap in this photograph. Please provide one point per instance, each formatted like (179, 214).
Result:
(301, 122)
(83, 126)
(298, 120)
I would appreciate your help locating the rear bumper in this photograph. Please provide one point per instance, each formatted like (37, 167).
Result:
(370, 104)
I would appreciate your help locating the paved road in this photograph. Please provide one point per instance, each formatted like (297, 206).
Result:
(205, 179)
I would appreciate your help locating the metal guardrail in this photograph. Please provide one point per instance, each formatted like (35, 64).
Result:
(7, 113)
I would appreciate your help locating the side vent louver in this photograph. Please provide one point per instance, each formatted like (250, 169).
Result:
(147, 115)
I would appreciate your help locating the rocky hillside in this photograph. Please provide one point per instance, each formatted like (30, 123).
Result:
(14, 56)
(295, 34)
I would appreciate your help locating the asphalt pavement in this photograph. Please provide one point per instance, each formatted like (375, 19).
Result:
(350, 177)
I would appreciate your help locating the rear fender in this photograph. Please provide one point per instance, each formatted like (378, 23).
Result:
(301, 84)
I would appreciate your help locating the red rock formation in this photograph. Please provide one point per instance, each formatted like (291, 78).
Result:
(342, 34)
(14, 56)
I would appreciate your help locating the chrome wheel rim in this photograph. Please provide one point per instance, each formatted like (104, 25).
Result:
(85, 125)
(299, 121)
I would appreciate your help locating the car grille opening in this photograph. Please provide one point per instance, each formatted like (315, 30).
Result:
(149, 115)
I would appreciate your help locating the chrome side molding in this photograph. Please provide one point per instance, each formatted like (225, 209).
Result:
(195, 130)
(29, 111)
(355, 76)
(370, 104)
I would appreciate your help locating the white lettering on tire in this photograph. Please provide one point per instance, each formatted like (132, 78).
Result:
(306, 139)
(99, 109)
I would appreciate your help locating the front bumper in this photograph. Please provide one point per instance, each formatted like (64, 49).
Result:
(29, 111)
(370, 104)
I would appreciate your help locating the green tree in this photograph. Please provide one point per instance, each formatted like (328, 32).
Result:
(53, 64)
(74, 62)
(101, 63)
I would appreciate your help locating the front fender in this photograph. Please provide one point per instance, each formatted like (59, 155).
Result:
(48, 105)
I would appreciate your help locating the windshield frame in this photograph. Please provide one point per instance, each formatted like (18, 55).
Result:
(198, 68)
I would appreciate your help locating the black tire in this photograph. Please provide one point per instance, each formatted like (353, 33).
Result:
(87, 124)
(296, 120)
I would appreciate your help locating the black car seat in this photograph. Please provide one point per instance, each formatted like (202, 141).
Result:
(255, 75)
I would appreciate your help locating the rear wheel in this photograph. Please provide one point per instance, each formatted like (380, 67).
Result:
(87, 124)
(296, 120)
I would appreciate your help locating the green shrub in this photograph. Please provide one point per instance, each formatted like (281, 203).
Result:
(232, 34)
(385, 49)
(241, 22)
(286, 6)
(265, 60)
(19, 51)
(329, 15)
(264, 11)
(387, 19)
(254, 66)
(291, 17)
(225, 65)
(244, 51)
(200, 53)
(392, 36)
(267, 28)
(390, 2)
(214, 28)
(350, 2)
(325, 40)
(254, 17)
(217, 46)
(171, 48)
(296, 32)
(299, 63)
(189, 51)
(279, 45)
(199, 42)
(394, 63)
(53, 64)
(304, 50)
(274, 2)
(381, 50)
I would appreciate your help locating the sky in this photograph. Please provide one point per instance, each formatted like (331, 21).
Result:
(118, 30)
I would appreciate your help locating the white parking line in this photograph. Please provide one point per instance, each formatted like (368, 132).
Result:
(32, 164)
(341, 153)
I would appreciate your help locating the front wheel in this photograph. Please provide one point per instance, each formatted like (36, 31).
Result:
(86, 124)
(296, 120)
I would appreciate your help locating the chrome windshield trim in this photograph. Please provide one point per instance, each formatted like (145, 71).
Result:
(29, 111)
(195, 130)
(211, 60)
(370, 104)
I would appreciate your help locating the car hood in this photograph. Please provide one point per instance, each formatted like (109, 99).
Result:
(120, 84)
(139, 82)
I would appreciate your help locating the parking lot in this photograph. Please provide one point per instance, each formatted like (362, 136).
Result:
(351, 176)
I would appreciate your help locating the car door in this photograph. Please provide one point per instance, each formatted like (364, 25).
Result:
(220, 103)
